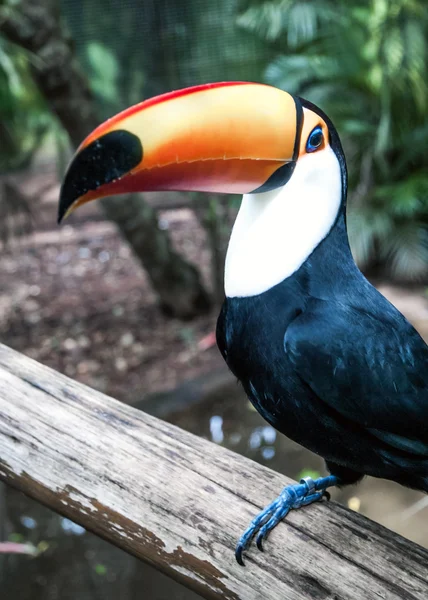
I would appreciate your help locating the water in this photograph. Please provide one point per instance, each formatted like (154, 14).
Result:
(75, 564)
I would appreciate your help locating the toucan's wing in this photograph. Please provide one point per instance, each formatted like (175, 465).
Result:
(371, 369)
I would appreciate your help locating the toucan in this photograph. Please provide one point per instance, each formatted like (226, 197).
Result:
(321, 354)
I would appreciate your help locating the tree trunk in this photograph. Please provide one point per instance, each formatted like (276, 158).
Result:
(36, 26)
(176, 282)
(217, 217)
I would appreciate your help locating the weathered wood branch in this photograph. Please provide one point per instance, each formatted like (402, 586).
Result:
(180, 502)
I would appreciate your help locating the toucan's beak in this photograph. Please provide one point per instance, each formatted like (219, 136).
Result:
(223, 137)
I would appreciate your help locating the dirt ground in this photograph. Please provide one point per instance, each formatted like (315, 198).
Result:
(74, 298)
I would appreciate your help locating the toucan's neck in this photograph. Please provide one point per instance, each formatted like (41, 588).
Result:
(331, 269)
(276, 232)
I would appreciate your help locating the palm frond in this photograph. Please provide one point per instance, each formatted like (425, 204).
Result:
(298, 21)
(405, 198)
(367, 226)
(406, 251)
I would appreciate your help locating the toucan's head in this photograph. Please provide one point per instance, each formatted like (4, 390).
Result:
(280, 151)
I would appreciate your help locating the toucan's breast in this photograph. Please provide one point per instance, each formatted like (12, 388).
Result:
(276, 231)
(250, 335)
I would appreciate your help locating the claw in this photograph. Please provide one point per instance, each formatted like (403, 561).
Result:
(292, 497)
(238, 554)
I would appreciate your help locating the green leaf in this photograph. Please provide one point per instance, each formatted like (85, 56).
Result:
(16, 537)
(100, 569)
(105, 71)
(407, 251)
(308, 473)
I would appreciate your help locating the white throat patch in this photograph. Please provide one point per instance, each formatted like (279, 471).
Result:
(275, 232)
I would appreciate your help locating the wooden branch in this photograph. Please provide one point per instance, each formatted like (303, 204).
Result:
(180, 502)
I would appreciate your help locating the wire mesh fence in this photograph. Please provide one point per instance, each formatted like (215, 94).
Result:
(138, 49)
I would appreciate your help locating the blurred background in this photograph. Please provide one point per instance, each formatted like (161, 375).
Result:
(124, 297)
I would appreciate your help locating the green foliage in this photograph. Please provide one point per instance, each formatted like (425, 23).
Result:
(104, 71)
(295, 21)
(24, 116)
(308, 473)
(24, 122)
(365, 63)
(100, 569)
(16, 537)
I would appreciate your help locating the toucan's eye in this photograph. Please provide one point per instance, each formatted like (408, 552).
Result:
(314, 140)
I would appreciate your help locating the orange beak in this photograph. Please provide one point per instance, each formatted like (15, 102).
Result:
(223, 137)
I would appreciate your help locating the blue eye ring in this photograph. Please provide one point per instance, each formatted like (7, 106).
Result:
(315, 139)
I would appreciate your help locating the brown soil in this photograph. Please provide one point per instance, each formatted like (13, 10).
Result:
(74, 298)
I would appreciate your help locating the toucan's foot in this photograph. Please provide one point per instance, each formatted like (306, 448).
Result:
(292, 496)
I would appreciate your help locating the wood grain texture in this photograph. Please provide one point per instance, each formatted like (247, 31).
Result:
(180, 502)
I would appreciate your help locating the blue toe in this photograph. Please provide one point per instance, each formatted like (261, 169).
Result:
(292, 497)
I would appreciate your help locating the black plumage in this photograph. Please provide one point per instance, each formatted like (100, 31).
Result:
(329, 362)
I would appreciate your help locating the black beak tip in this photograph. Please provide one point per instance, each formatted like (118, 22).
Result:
(61, 209)
(69, 193)
(104, 160)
